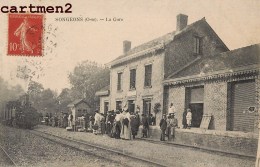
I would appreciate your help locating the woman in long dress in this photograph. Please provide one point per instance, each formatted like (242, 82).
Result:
(127, 126)
(122, 116)
(97, 122)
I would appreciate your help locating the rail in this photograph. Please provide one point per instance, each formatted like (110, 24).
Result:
(11, 161)
(107, 152)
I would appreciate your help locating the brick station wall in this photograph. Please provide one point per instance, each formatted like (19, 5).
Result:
(177, 97)
(215, 103)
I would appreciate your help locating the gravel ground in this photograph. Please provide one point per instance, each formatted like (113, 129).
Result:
(169, 155)
(28, 150)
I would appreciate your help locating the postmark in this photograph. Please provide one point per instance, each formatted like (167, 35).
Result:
(25, 34)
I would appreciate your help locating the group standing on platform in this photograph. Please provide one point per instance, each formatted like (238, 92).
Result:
(121, 124)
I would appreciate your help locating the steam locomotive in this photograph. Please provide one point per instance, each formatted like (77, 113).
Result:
(20, 113)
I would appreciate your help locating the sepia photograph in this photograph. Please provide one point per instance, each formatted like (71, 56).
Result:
(151, 83)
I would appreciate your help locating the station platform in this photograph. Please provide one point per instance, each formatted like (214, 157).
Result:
(167, 153)
(231, 142)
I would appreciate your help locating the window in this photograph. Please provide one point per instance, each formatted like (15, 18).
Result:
(132, 78)
(148, 76)
(119, 81)
(197, 45)
(118, 105)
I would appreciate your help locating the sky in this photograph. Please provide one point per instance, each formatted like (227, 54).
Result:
(235, 21)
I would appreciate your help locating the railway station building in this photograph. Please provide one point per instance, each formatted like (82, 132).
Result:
(137, 76)
(191, 68)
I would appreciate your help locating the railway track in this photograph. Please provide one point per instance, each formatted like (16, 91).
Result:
(5, 159)
(121, 157)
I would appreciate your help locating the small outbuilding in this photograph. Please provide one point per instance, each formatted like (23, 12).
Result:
(78, 108)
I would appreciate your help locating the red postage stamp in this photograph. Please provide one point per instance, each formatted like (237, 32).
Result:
(25, 35)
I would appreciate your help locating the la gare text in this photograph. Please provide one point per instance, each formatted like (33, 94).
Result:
(67, 8)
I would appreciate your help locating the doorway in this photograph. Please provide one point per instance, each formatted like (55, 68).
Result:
(106, 106)
(147, 107)
(195, 101)
(197, 113)
(131, 106)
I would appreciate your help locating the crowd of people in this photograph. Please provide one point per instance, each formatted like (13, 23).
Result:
(55, 120)
(121, 124)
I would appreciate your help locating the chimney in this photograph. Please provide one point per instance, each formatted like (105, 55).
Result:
(126, 46)
(182, 21)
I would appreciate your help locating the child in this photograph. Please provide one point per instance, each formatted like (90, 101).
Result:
(189, 118)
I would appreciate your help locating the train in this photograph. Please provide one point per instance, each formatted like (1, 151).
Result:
(19, 113)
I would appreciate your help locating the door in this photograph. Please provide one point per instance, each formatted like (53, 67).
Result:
(106, 107)
(243, 98)
(119, 105)
(197, 113)
(131, 106)
(195, 100)
(147, 107)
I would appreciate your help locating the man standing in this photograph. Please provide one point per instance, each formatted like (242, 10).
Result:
(174, 125)
(135, 123)
(70, 120)
(163, 126)
(109, 122)
(145, 125)
(184, 119)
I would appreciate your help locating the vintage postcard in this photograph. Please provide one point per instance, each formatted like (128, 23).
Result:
(130, 83)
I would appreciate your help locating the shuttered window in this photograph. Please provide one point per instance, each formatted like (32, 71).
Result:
(132, 78)
(148, 76)
(197, 45)
(119, 81)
